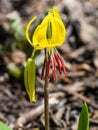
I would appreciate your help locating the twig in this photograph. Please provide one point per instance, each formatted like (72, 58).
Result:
(34, 113)
(82, 97)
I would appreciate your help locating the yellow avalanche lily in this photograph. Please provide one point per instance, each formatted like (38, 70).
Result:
(50, 33)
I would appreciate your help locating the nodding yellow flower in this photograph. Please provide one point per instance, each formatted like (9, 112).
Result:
(50, 33)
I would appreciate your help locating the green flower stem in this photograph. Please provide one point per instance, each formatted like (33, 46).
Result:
(33, 53)
(46, 98)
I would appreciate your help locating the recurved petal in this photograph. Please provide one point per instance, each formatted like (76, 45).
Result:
(27, 30)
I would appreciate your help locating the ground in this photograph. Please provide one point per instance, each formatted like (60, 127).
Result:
(68, 92)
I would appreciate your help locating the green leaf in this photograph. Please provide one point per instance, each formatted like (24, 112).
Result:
(4, 127)
(84, 118)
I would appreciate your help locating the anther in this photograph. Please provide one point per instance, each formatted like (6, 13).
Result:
(58, 63)
(43, 69)
(62, 62)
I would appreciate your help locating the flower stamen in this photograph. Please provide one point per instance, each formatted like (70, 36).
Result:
(58, 63)
(54, 68)
(49, 64)
(43, 69)
(62, 62)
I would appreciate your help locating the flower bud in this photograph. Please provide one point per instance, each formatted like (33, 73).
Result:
(29, 78)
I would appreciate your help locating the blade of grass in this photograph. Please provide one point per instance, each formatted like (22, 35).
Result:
(84, 118)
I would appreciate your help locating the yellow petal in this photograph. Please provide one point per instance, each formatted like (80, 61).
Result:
(27, 30)
(58, 32)
(56, 13)
(39, 36)
(57, 29)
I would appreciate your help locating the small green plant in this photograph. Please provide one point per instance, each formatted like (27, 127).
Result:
(49, 34)
(4, 127)
(84, 118)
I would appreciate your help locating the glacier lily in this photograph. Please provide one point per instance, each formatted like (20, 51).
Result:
(49, 34)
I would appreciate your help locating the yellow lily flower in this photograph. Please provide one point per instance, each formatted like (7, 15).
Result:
(52, 24)
(49, 34)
